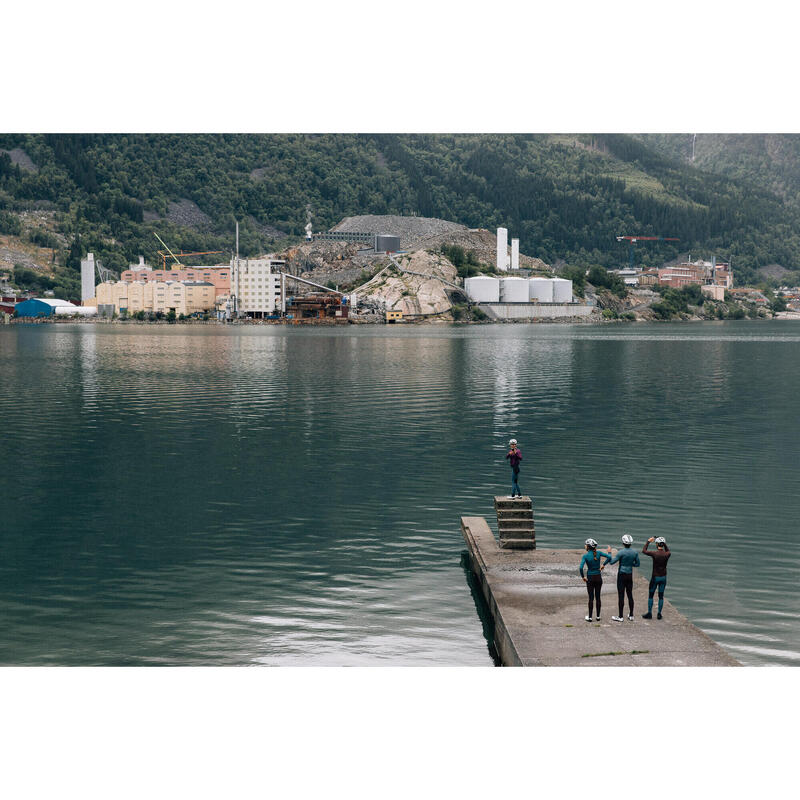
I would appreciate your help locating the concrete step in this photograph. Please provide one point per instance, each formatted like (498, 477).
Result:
(505, 502)
(518, 544)
(512, 524)
(514, 513)
(522, 533)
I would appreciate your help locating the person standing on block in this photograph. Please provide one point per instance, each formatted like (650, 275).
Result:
(514, 456)
(628, 559)
(593, 580)
(659, 577)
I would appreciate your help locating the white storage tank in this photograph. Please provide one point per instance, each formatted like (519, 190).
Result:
(514, 290)
(562, 290)
(76, 311)
(483, 289)
(540, 290)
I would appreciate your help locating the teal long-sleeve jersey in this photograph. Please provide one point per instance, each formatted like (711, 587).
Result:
(591, 563)
(628, 559)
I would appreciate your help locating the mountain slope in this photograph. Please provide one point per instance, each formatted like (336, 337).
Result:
(565, 196)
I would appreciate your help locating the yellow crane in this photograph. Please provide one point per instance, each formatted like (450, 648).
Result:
(177, 261)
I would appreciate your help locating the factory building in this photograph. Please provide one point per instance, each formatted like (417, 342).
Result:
(182, 297)
(258, 287)
(219, 276)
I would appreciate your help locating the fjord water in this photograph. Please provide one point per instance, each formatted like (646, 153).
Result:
(180, 495)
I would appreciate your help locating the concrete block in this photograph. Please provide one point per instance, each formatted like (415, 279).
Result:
(518, 544)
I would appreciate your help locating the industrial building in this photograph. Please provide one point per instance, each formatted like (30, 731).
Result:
(381, 242)
(704, 273)
(219, 276)
(257, 287)
(713, 292)
(40, 307)
(319, 305)
(182, 297)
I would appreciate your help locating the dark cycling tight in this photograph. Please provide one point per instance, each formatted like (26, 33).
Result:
(625, 584)
(593, 585)
(660, 584)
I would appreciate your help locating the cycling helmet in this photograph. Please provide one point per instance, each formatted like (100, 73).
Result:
(590, 543)
(661, 540)
(512, 441)
(627, 539)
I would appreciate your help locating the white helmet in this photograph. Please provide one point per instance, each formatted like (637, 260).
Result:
(590, 543)
(627, 539)
(512, 441)
(661, 540)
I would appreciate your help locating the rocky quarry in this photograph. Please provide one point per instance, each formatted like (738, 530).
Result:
(421, 282)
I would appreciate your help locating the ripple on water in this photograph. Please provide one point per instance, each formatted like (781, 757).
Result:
(266, 496)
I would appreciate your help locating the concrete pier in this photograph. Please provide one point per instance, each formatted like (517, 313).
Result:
(537, 603)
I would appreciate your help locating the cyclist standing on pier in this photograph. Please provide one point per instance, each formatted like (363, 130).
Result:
(659, 578)
(514, 456)
(628, 559)
(593, 580)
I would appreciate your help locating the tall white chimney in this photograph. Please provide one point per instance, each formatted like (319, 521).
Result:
(502, 249)
(87, 278)
(515, 254)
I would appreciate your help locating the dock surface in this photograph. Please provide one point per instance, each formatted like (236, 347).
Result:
(537, 602)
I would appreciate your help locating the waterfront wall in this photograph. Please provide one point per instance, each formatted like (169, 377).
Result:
(516, 311)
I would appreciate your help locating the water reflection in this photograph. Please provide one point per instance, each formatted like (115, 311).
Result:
(273, 496)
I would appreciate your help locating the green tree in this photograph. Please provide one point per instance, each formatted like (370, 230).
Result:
(778, 304)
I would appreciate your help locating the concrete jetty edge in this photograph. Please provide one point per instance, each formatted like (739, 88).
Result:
(537, 604)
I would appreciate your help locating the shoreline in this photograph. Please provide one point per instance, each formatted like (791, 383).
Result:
(780, 317)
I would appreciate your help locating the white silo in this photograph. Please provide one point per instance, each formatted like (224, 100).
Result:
(87, 278)
(562, 290)
(513, 290)
(502, 249)
(515, 254)
(483, 289)
(540, 290)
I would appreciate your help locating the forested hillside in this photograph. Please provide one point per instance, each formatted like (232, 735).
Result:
(768, 161)
(565, 196)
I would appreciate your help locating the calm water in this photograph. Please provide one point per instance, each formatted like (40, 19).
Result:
(177, 495)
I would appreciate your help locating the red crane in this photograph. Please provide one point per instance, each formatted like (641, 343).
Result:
(633, 239)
